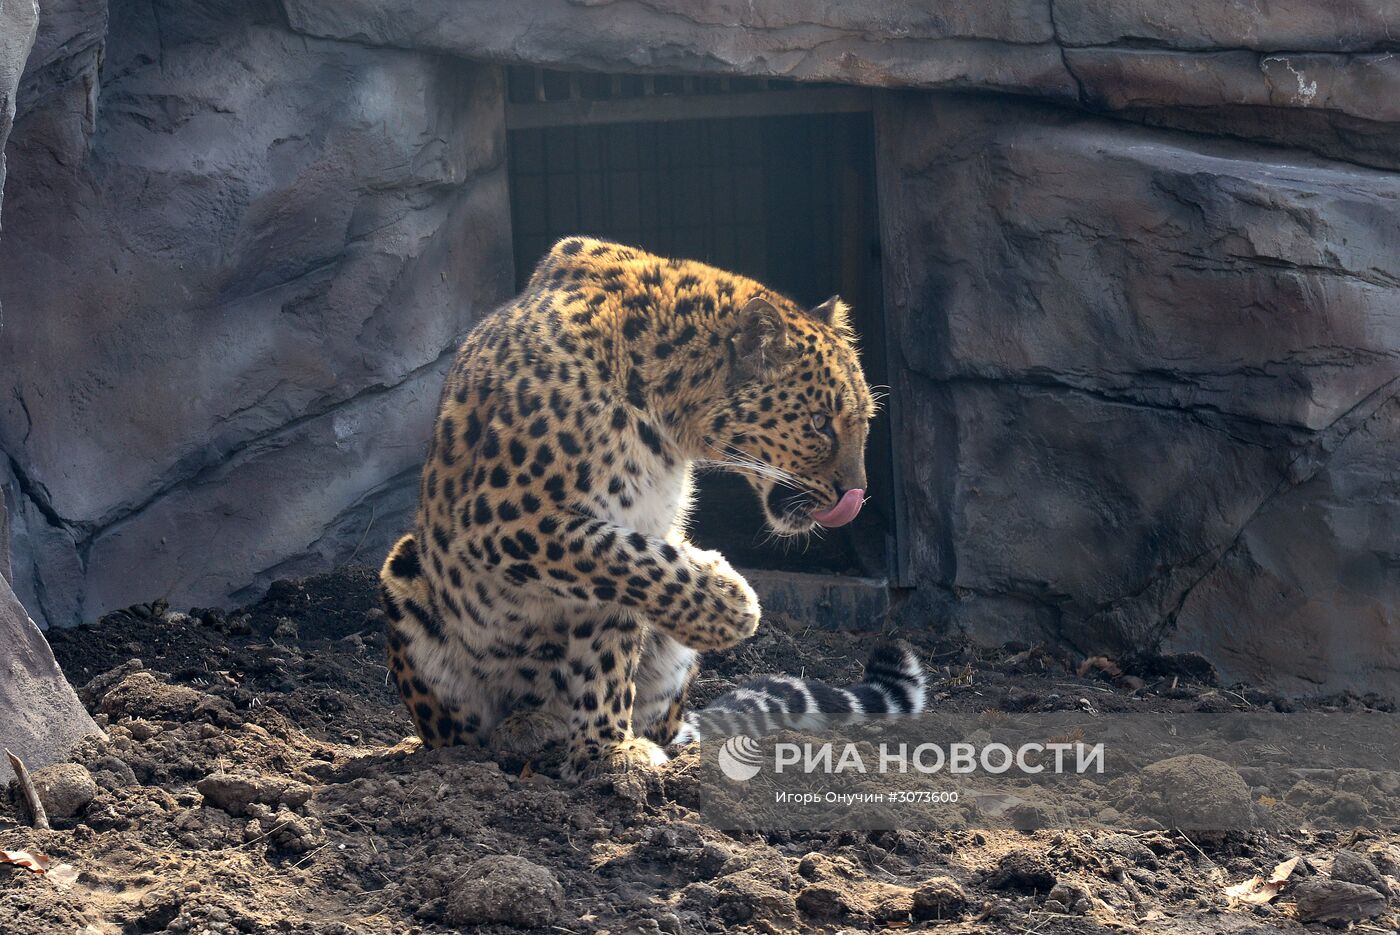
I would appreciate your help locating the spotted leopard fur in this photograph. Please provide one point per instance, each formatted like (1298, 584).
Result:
(547, 591)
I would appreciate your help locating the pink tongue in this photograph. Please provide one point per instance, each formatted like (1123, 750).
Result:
(844, 511)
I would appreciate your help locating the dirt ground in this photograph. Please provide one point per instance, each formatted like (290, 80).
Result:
(255, 778)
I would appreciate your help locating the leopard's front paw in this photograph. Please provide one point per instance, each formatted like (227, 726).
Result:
(622, 757)
(731, 609)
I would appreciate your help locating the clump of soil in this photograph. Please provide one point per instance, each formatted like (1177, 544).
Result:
(255, 778)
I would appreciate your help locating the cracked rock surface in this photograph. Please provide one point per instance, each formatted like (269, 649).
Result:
(1321, 76)
(238, 262)
(1154, 384)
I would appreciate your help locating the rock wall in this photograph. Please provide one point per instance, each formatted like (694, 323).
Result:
(1320, 75)
(19, 21)
(1151, 386)
(40, 716)
(240, 259)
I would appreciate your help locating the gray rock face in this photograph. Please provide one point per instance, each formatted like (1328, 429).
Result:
(226, 348)
(42, 717)
(1008, 44)
(5, 571)
(1154, 386)
(1339, 26)
(19, 21)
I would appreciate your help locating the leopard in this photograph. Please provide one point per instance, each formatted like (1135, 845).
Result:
(547, 591)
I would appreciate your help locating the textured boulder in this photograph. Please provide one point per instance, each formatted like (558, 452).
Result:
(224, 353)
(506, 889)
(1152, 385)
(40, 717)
(65, 789)
(1195, 792)
(19, 21)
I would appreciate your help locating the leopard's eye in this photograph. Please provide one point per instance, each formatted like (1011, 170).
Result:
(820, 421)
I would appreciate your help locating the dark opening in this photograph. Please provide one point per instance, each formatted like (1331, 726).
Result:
(788, 200)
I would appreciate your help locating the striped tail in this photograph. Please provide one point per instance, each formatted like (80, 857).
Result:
(895, 683)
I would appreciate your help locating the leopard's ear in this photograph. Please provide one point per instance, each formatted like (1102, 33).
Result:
(833, 312)
(760, 344)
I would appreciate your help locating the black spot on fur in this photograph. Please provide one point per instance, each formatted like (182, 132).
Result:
(405, 563)
(636, 390)
(649, 436)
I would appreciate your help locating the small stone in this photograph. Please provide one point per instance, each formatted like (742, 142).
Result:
(65, 789)
(1068, 898)
(506, 890)
(1351, 867)
(1016, 698)
(236, 794)
(1195, 792)
(1023, 871)
(1336, 902)
(141, 695)
(939, 898)
(822, 901)
(752, 896)
(282, 590)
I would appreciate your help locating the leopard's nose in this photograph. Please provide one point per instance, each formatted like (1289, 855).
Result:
(849, 476)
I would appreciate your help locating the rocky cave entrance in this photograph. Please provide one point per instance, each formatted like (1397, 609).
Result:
(773, 181)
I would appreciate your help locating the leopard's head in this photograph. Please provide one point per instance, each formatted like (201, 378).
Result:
(796, 414)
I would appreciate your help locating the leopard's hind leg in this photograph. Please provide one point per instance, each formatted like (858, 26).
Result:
(412, 620)
(437, 722)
